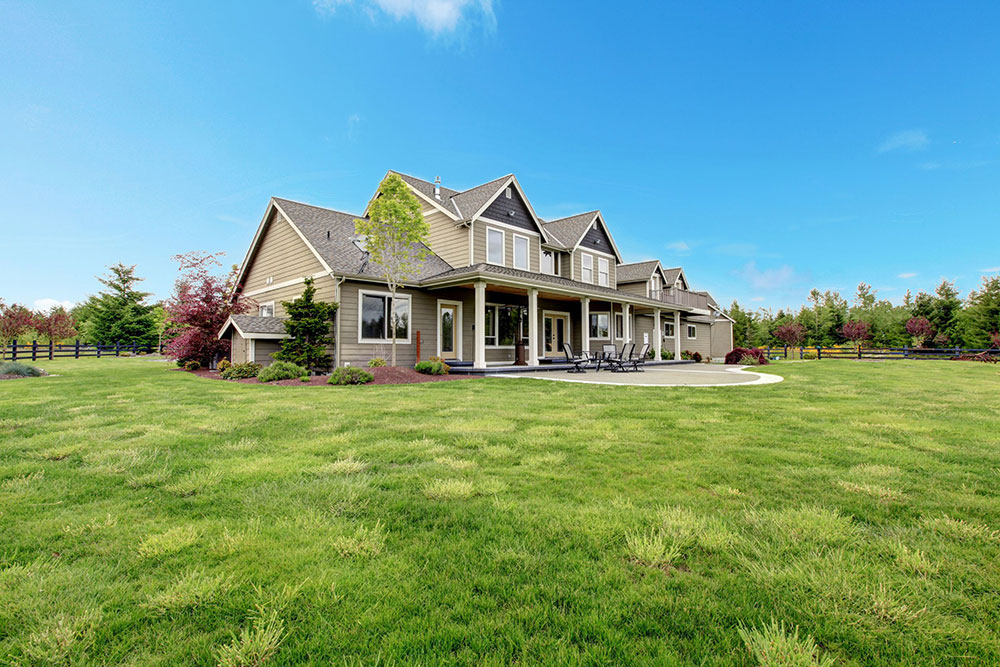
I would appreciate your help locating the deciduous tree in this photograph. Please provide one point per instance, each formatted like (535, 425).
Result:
(921, 329)
(15, 321)
(55, 325)
(791, 334)
(394, 236)
(856, 331)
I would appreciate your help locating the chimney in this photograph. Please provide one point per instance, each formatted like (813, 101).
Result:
(437, 188)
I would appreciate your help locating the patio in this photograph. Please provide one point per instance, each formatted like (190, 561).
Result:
(694, 375)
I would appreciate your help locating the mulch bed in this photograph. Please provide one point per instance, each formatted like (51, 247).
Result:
(11, 377)
(383, 375)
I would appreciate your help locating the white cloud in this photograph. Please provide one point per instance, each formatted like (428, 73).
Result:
(957, 166)
(47, 304)
(907, 275)
(757, 298)
(768, 279)
(992, 269)
(434, 16)
(905, 140)
(678, 246)
(353, 122)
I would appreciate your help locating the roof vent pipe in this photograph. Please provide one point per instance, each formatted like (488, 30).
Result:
(437, 188)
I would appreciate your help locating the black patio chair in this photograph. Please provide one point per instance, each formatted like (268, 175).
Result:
(620, 360)
(609, 357)
(579, 361)
(638, 361)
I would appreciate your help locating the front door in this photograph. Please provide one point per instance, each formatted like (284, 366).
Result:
(556, 333)
(448, 330)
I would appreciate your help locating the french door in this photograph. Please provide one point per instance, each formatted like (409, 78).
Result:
(556, 332)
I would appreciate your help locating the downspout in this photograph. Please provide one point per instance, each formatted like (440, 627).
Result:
(336, 321)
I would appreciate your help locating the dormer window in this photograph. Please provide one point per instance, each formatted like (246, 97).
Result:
(507, 193)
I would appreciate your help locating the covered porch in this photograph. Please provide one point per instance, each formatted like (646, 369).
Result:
(480, 323)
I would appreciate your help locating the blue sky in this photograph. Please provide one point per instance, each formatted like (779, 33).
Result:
(766, 147)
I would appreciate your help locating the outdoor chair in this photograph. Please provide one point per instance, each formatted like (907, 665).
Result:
(638, 361)
(619, 360)
(609, 356)
(579, 361)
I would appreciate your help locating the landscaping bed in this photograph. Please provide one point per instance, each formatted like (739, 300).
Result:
(383, 375)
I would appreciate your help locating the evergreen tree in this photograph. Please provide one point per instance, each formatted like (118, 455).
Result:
(945, 312)
(308, 326)
(742, 326)
(120, 313)
(982, 314)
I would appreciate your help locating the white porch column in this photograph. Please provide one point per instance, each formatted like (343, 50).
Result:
(626, 324)
(585, 324)
(677, 335)
(657, 333)
(479, 335)
(533, 327)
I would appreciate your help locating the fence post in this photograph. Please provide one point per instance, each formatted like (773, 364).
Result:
(819, 352)
(34, 350)
(133, 349)
(906, 351)
(98, 347)
(76, 349)
(786, 353)
(118, 348)
(52, 348)
(13, 350)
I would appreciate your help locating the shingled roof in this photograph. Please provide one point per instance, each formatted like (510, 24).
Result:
(636, 272)
(567, 232)
(259, 325)
(336, 247)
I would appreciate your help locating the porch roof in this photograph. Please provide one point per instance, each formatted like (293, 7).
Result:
(542, 280)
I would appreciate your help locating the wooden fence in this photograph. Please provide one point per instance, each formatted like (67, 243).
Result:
(800, 352)
(35, 351)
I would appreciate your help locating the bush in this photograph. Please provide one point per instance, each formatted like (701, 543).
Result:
(240, 371)
(666, 355)
(281, 370)
(440, 360)
(686, 355)
(17, 368)
(696, 357)
(810, 355)
(749, 360)
(192, 365)
(735, 356)
(432, 367)
(350, 375)
(377, 362)
(304, 378)
(224, 364)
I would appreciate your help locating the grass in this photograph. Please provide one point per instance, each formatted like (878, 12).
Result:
(849, 515)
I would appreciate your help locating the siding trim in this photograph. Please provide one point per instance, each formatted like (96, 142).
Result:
(282, 285)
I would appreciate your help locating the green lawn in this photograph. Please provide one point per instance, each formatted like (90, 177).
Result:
(151, 517)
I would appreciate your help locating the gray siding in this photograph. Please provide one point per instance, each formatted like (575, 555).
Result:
(596, 239)
(479, 245)
(281, 256)
(577, 268)
(513, 211)
(449, 241)
(701, 343)
(722, 338)
(264, 349)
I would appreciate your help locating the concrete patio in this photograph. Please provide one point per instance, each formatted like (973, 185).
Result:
(694, 375)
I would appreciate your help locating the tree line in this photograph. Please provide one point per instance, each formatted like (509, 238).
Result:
(938, 319)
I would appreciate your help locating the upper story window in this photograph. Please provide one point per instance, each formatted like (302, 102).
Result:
(507, 193)
(521, 245)
(603, 271)
(654, 285)
(587, 268)
(494, 246)
(266, 309)
(549, 261)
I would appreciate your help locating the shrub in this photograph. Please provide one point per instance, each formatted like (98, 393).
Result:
(696, 357)
(281, 370)
(17, 368)
(350, 375)
(686, 355)
(377, 362)
(810, 355)
(749, 360)
(666, 355)
(440, 360)
(240, 371)
(304, 378)
(192, 365)
(124, 354)
(432, 368)
(224, 364)
(735, 356)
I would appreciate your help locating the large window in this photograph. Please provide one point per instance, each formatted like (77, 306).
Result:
(587, 268)
(602, 272)
(549, 262)
(379, 313)
(599, 325)
(521, 246)
(494, 246)
(505, 324)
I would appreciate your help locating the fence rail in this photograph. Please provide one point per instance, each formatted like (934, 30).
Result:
(35, 351)
(790, 352)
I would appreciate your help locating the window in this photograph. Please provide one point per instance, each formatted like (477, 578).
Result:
(669, 331)
(599, 325)
(654, 286)
(379, 313)
(521, 252)
(504, 324)
(507, 193)
(602, 272)
(692, 331)
(549, 262)
(266, 309)
(587, 268)
(619, 325)
(494, 246)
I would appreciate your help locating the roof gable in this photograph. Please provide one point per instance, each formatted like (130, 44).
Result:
(579, 230)
(511, 210)
(637, 272)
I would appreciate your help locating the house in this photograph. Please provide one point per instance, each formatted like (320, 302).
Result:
(495, 274)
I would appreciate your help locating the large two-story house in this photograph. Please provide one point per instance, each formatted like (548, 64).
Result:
(495, 274)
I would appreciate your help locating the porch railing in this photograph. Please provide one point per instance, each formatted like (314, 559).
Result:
(681, 297)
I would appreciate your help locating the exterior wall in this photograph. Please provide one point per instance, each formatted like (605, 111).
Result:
(578, 267)
(722, 338)
(325, 291)
(449, 241)
(701, 343)
(238, 348)
(282, 256)
(479, 245)
(639, 289)
(263, 349)
(513, 211)
(596, 239)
